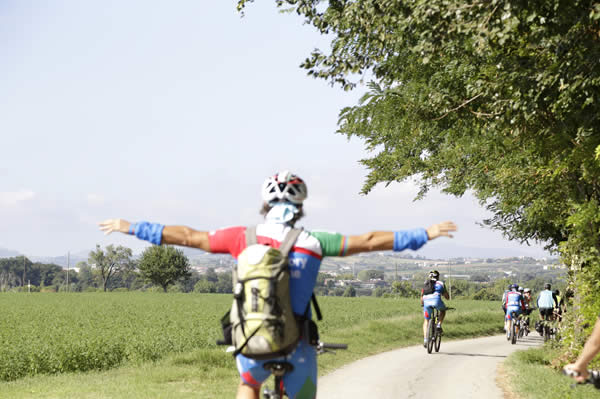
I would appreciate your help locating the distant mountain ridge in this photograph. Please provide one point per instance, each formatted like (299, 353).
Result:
(433, 250)
(8, 253)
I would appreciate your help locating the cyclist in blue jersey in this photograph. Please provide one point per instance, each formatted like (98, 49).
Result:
(433, 299)
(514, 304)
(546, 302)
(504, 300)
(283, 196)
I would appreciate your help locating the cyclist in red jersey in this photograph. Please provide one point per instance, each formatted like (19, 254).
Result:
(283, 195)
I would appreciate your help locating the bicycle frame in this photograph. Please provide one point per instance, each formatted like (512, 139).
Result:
(434, 336)
(280, 368)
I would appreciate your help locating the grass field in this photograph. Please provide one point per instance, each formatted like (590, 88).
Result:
(140, 345)
(529, 376)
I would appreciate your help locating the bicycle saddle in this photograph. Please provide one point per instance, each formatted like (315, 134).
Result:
(278, 368)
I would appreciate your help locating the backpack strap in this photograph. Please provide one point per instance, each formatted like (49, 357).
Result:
(289, 241)
(313, 298)
(251, 236)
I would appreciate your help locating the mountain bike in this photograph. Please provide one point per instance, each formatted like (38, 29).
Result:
(523, 325)
(548, 330)
(434, 334)
(513, 328)
(280, 368)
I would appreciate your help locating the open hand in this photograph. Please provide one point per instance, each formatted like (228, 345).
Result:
(441, 229)
(110, 225)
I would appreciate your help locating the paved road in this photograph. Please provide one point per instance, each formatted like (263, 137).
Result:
(462, 369)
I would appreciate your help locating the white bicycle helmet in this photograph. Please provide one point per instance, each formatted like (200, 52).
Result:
(284, 186)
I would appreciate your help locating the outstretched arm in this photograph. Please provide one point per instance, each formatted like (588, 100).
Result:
(177, 235)
(388, 240)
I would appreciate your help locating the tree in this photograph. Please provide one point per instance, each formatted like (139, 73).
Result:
(109, 262)
(86, 276)
(163, 265)
(205, 287)
(350, 291)
(405, 289)
(497, 97)
(365, 275)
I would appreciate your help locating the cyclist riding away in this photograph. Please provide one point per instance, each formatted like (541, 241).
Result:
(514, 303)
(527, 302)
(560, 304)
(546, 302)
(283, 195)
(431, 297)
(504, 300)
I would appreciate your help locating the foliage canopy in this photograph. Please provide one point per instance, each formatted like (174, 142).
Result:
(163, 265)
(500, 97)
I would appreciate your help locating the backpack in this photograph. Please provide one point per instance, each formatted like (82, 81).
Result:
(429, 287)
(263, 324)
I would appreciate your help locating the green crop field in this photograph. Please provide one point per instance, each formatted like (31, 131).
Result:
(155, 345)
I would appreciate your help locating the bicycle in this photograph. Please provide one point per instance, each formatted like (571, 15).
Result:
(522, 327)
(513, 328)
(280, 368)
(434, 335)
(524, 324)
(548, 331)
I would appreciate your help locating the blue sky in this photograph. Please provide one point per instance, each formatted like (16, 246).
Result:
(175, 112)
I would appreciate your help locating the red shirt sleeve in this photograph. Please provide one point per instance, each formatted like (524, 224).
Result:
(231, 240)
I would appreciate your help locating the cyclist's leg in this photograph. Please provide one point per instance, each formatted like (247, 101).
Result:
(442, 308)
(301, 383)
(427, 312)
(509, 311)
(252, 375)
(247, 392)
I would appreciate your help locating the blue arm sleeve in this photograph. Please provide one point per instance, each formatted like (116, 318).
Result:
(149, 231)
(413, 239)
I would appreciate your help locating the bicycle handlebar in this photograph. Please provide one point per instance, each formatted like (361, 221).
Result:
(332, 346)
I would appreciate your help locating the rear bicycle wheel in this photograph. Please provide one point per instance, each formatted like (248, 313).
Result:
(430, 334)
(521, 327)
(511, 331)
(438, 339)
(546, 331)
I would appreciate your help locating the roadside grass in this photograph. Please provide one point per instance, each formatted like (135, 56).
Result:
(529, 375)
(367, 325)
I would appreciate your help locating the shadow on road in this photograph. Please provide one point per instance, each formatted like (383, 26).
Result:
(468, 354)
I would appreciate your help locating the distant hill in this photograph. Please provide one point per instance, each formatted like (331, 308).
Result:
(438, 249)
(8, 253)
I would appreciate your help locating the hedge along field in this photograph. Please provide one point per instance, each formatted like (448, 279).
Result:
(59, 333)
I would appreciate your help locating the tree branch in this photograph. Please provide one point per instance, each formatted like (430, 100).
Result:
(459, 107)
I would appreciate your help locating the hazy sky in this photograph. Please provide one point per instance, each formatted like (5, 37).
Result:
(176, 112)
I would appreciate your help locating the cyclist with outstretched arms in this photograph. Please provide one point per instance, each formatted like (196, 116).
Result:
(431, 297)
(283, 195)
